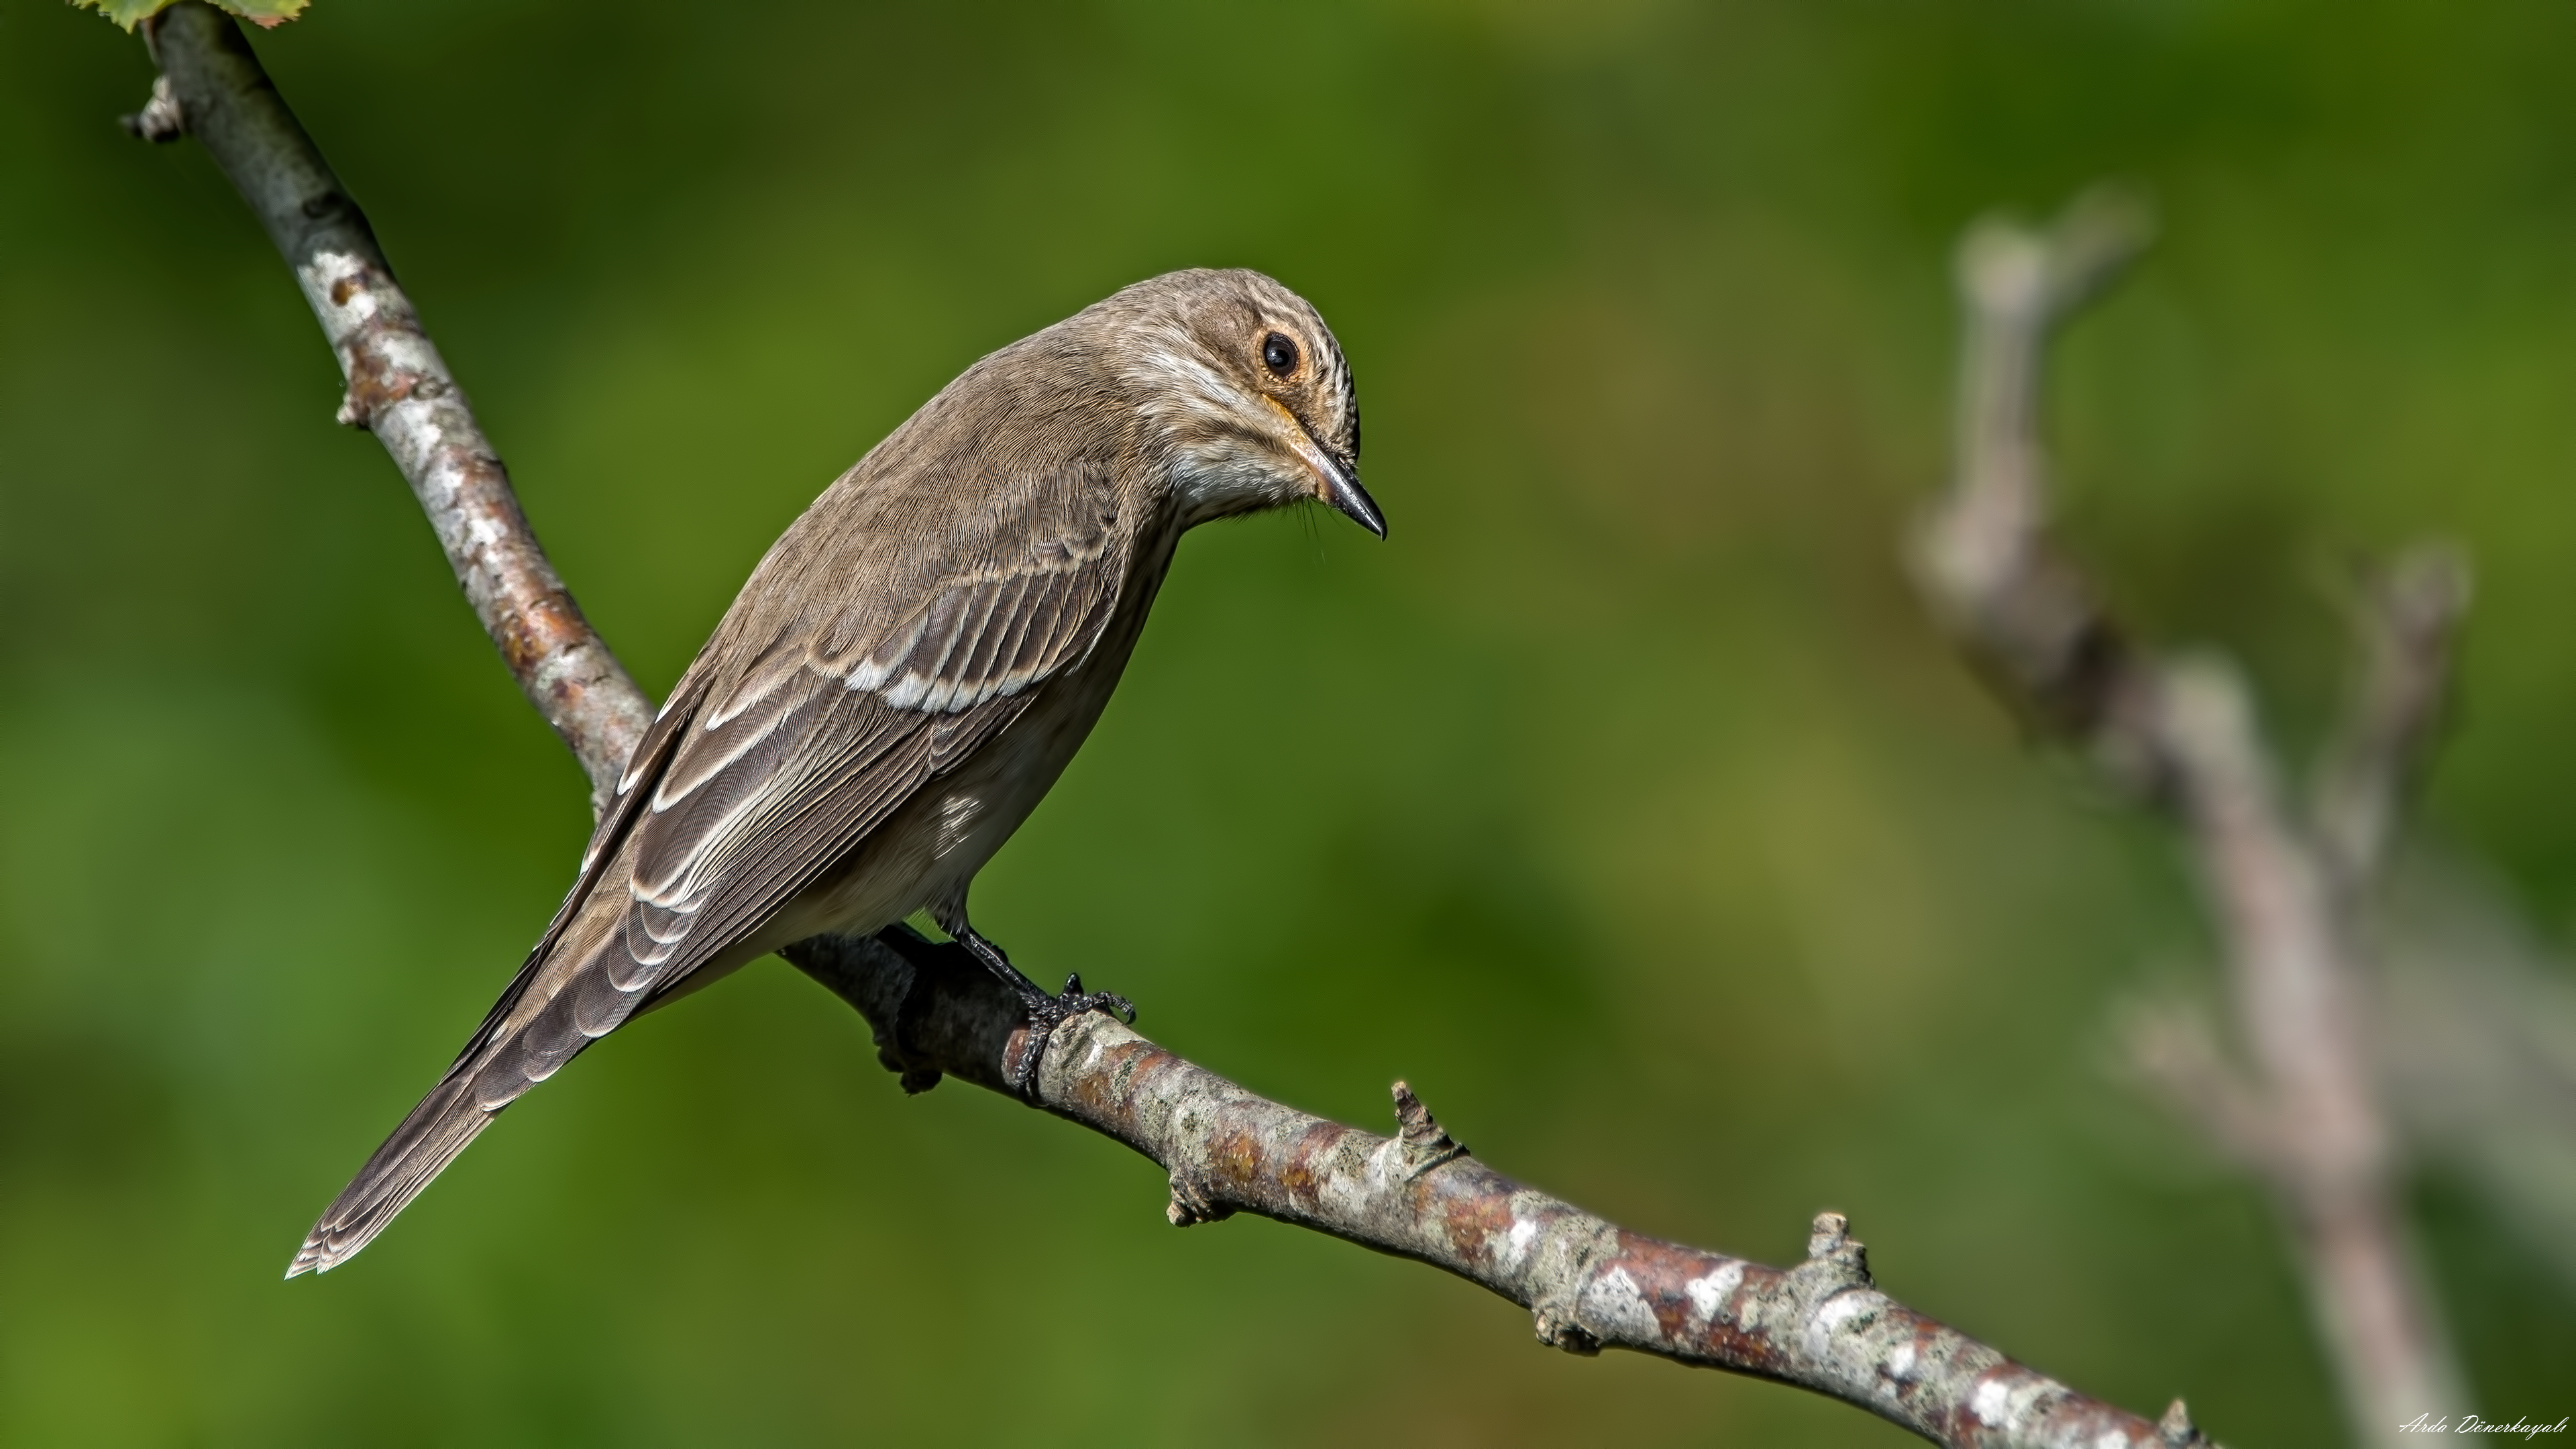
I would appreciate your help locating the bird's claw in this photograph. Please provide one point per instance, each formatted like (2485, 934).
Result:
(1045, 1014)
(1080, 1000)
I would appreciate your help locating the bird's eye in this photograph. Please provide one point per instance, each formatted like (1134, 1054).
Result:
(1279, 353)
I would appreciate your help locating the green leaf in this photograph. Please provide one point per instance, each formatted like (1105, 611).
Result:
(265, 14)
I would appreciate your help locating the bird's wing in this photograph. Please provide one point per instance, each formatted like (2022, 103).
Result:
(836, 721)
(769, 764)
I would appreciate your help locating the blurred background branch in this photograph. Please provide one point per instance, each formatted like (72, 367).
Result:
(1588, 1283)
(2304, 1111)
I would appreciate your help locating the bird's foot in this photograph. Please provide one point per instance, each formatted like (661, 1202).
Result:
(1045, 1012)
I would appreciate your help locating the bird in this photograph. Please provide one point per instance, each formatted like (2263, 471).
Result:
(903, 677)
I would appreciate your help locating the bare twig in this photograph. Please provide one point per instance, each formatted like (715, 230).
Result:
(2477, 1044)
(2175, 1050)
(2180, 733)
(1983, 554)
(2405, 617)
(398, 386)
(1588, 1283)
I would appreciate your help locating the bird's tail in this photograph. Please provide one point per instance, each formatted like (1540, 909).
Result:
(578, 985)
(419, 1149)
(566, 996)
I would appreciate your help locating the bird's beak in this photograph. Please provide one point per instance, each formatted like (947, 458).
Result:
(1337, 480)
(1343, 493)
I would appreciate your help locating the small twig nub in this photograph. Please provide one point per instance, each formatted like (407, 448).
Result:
(160, 120)
(1833, 1250)
(1827, 1234)
(1426, 1143)
(1560, 1331)
(1190, 1207)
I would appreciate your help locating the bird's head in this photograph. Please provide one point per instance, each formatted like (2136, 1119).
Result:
(1244, 392)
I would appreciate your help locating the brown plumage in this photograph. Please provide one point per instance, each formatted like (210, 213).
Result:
(906, 673)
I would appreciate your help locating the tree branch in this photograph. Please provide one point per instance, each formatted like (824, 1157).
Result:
(1588, 1283)
(399, 388)
(2180, 734)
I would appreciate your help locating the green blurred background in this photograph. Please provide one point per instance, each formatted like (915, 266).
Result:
(1624, 802)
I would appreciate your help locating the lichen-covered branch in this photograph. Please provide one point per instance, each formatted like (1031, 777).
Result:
(214, 88)
(1589, 1283)
(2180, 733)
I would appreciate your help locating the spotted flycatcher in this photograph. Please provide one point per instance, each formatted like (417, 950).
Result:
(905, 674)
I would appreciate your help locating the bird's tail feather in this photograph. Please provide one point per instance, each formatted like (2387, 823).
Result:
(429, 1139)
(578, 999)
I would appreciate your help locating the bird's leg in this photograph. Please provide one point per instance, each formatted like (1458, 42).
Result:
(1046, 1013)
(999, 964)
